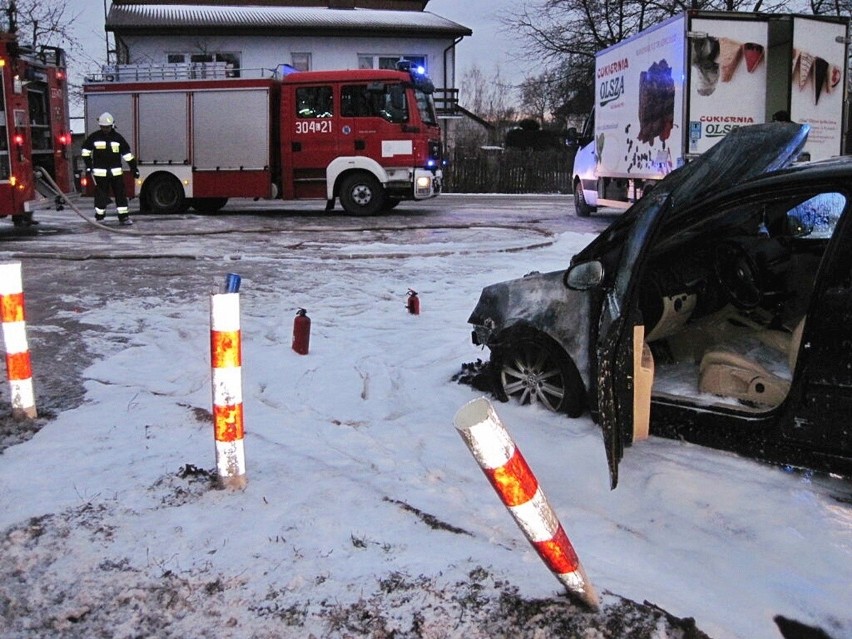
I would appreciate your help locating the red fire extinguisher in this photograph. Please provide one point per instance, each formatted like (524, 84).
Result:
(301, 332)
(413, 303)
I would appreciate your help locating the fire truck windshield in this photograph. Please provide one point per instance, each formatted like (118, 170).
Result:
(426, 107)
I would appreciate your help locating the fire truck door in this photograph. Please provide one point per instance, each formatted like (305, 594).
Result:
(312, 143)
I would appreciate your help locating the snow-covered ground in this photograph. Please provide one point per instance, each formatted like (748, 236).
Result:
(365, 515)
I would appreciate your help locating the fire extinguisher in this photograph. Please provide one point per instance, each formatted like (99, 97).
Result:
(301, 332)
(413, 303)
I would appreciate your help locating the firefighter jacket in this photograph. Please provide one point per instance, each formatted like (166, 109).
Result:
(103, 153)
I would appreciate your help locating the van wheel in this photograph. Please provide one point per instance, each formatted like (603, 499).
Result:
(533, 370)
(361, 194)
(580, 205)
(164, 194)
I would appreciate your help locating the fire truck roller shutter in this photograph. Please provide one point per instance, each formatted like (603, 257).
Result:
(218, 142)
(341, 165)
(161, 143)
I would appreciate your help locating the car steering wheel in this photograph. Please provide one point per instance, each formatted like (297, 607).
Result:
(738, 274)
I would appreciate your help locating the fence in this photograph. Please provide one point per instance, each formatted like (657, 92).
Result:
(509, 171)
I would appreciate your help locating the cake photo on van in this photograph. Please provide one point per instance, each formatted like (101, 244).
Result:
(753, 54)
(656, 102)
(730, 55)
(704, 52)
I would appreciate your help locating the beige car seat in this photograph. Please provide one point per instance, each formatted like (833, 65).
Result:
(732, 375)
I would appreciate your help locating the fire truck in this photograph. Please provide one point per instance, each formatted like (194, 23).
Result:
(205, 133)
(35, 136)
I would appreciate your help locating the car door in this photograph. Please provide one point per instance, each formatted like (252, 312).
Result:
(742, 154)
(818, 415)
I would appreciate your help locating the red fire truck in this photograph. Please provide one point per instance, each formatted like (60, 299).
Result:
(35, 136)
(369, 138)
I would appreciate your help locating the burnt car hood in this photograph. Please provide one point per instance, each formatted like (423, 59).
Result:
(741, 155)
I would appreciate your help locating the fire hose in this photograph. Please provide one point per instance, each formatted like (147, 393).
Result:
(43, 175)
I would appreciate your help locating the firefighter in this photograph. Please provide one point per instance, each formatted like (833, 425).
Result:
(103, 152)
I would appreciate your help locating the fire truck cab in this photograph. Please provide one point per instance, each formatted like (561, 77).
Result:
(203, 134)
(35, 136)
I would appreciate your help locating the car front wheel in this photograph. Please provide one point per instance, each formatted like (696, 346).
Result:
(532, 370)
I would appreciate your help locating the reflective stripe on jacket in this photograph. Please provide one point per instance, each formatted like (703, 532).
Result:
(103, 153)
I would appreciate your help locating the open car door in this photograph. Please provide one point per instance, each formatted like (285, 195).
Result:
(742, 154)
(818, 416)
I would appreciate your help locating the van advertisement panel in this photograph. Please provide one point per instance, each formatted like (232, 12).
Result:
(639, 102)
(818, 84)
(727, 88)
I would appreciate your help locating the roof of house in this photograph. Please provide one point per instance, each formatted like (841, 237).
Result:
(269, 20)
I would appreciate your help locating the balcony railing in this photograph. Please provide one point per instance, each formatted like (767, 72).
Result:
(447, 102)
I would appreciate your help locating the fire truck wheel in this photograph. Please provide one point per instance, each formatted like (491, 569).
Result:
(165, 194)
(362, 194)
(208, 204)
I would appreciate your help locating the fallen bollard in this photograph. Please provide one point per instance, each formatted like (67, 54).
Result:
(507, 470)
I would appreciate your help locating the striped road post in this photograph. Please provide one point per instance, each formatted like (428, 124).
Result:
(226, 359)
(507, 470)
(18, 366)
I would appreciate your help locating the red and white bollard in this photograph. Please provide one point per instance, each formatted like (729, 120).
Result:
(226, 359)
(18, 365)
(507, 470)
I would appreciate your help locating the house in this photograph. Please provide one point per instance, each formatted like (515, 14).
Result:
(308, 35)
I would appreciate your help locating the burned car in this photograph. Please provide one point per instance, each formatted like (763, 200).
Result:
(717, 310)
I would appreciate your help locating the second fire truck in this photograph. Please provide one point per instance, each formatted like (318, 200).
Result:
(35, 137)
(368, 138)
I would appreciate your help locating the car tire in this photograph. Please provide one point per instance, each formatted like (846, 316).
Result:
(580, 205)
(361, 194)
(164, 195)
(533, 369)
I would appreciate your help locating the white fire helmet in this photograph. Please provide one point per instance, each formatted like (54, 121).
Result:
(106, 119)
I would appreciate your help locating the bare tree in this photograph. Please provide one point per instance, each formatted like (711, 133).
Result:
(41, 22)
(489, 98)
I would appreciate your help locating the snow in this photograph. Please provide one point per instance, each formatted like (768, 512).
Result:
(365, 514)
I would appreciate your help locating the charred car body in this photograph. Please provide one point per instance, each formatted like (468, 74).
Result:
(718, 310)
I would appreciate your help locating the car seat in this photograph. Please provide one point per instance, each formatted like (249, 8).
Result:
(733, 375)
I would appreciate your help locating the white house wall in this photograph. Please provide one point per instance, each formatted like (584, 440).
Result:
(266, 53)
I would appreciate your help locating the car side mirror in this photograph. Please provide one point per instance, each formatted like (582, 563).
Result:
(584, 276)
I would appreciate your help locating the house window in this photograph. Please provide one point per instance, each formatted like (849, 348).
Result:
(367, 61)
(301, 61)
(314, 102)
